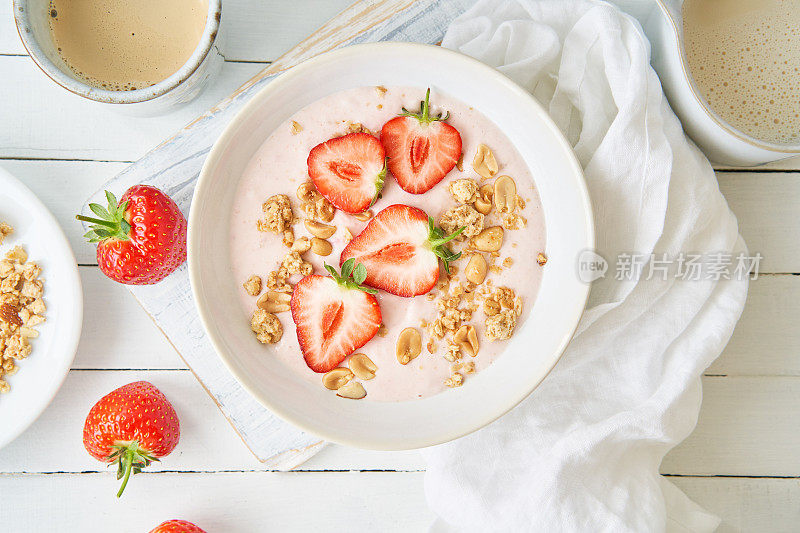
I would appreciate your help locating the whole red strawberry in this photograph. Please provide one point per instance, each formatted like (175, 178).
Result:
(421, 148)
(142, 239)
(177, 526)
(131, 426)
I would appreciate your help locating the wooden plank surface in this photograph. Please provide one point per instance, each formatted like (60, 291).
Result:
(747, 424)
(226, 502)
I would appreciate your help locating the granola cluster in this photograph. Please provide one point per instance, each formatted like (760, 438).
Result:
(5, 231)
(464, 191)
(21, 308)
(315, 206)
(253, 285)
(266, 326)
(462, 215)
(279, 219)
(485, 211)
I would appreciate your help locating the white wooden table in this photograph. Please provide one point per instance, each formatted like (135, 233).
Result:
(742, 462)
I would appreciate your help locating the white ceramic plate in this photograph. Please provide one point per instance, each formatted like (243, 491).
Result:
(535, 347)
(40, 375)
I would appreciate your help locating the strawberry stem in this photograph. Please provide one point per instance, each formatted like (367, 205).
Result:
(352, 276)
(127, 460)
(96, 221)
(424, 116)
(437, 240)
(130, 459)
(110, 222)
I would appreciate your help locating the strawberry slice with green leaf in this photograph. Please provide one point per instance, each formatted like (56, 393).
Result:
(421, 148)
(334, 315)
(349, 171)
(401, 248)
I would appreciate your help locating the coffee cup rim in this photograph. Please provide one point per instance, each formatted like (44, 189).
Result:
(75, 86)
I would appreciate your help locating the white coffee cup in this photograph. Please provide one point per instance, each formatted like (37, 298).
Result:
(719, 140)
(33, 24)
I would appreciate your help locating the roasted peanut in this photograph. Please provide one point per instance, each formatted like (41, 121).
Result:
(476, 269)
(301, 245)
(362, 366)
(490, 239)
(505, 194)
(305, 192)
(363, 216)
(352, 390)
(274, 302)
(467, 339)
(318, 229)
(409, 345)
(484, 162)
(337, 378)
(321, 247)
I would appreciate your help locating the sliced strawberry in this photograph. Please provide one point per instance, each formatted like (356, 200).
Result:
(401, 248)
(334, 315)
(349, 170)
(421, 149)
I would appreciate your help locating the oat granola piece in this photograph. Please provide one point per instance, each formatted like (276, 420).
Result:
(314, 205)
(294, 264)
(505, 297)
(253, 285)
(277, 280)
(21, 309)
(296, 127)
(278, 215)
(455, 380)
(462, 215)
(464, 191)
(500, 326)
(266, 326)
(514, 221)
(541, 259)
(5, 231)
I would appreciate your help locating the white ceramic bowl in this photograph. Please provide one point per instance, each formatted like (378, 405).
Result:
(40, 375)
(535, 347)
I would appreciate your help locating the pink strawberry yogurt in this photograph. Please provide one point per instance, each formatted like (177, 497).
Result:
(279, 167)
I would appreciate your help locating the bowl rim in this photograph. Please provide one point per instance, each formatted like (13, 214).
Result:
(90, 92)
(221, 144)
(72, 341)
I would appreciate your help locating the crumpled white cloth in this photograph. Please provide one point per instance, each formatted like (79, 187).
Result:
(582, 452)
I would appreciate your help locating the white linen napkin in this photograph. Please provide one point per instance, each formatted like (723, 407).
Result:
(582, 452)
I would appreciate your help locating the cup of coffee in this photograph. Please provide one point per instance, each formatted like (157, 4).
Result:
(731, 72)
(143, 56)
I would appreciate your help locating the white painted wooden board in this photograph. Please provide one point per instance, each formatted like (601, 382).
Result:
(225, 503)
(316, 501)
(733, 436)
(174, 166)
(745, 504)
(759, 409)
